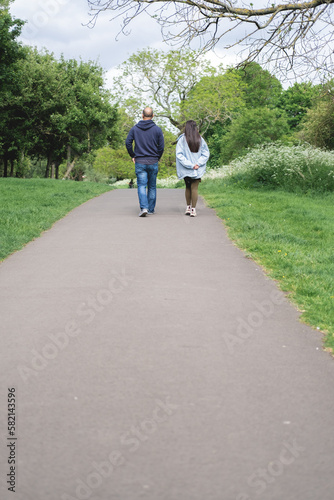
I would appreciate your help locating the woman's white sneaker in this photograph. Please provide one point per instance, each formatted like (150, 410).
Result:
(188, 210)
(193, 212)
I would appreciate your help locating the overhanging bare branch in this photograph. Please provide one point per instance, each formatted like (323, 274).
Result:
(295, 32)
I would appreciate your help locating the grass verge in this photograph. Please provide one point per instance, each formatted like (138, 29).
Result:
(30, 206)
(292, 236)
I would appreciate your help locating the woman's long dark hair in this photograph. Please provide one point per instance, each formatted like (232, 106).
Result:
(192, 136)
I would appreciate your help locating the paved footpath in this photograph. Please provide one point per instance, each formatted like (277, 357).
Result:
(151, 360)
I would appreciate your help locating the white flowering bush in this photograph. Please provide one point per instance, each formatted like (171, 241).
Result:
(213, 173)
(168, 182)
(173, 181)
(301, 167)
(290, 167)
(218, 173)
(122, 183)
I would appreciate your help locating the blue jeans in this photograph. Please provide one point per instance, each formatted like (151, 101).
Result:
(147, 178)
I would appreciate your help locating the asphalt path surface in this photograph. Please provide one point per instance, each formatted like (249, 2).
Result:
(150, 359)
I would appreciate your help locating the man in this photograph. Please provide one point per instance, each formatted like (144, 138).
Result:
(149, 146)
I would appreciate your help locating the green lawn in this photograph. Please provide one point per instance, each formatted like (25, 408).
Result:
(30, 206)
(291, 236)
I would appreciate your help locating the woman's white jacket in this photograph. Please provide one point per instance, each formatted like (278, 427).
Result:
(186, 160)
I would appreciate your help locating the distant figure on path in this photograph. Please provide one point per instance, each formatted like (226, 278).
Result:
(149, 147)
(192, 153)
(131, 184)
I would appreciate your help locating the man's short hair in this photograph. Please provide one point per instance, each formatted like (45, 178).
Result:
(148, 112)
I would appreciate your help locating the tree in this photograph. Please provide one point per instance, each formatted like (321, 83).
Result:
(263, 89)
(297, 100)
(253, 127)
(4, 4)
(42, 94)
(90, 119)
(163, 80)
(180, 85)
(287, 33)
(11, 49)
(318, 126)
(257, 88)
(10, 52)
(56, 110)
(214, 99)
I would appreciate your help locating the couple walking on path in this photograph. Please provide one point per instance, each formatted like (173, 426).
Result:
(192, 154)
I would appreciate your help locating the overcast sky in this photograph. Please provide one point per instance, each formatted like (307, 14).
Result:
(58, 25)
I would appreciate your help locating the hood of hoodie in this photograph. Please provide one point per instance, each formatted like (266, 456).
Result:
(145, 124)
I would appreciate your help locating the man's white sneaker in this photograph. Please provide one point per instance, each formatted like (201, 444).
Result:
(188, 210)
(143, 212)
(193, 212)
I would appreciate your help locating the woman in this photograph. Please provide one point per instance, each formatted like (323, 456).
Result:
(192, 153)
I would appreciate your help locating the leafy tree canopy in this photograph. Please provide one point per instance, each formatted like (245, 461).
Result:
(263, 89)
(253, 127)
(160, 79)
(10, 48)
(296, 101)
(57, 109)
(215, 98)
(318, 126)
(179, 85)
(4, 4)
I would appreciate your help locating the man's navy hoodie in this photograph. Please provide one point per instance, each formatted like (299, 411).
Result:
(149, 142)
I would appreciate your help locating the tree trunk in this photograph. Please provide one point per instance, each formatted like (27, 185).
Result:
(70, 167)
(48, 165)
(5, 166)
(57, 169)
(53, 165)
(68, 156)
(12, 168)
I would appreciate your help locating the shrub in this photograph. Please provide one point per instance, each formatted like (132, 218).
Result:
(168, 182)
(318, 127)
(293, 168)
(114, 163)
(92, 175)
